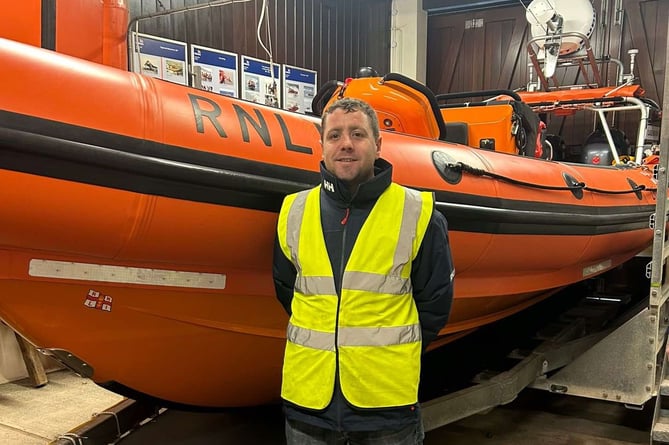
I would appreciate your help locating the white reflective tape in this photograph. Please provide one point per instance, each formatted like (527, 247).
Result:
(379, 336)
(315, 285)
(596, 268)
(377, 283)
(127, 275)
(310, 338)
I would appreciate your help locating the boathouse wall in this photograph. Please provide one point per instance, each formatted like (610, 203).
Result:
(332, 37)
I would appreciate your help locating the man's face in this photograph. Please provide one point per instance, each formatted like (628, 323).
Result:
(349, 147)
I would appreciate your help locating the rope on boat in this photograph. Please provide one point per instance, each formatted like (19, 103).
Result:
(462, 167)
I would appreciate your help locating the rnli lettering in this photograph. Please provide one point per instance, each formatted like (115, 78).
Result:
(209, 114)
(289, 143)
(206, 108)
(260, 126)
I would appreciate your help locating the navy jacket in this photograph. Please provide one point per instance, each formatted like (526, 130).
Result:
(430, 277)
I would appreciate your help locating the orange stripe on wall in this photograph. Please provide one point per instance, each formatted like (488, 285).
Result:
(79, 29)
(20, 21)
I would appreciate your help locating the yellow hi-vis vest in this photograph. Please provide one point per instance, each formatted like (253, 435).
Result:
(373, 329)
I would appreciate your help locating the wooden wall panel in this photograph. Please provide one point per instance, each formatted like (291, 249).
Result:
(482, 49)
(444, 39)
(645, 28)
(496, 47)
(333, 37)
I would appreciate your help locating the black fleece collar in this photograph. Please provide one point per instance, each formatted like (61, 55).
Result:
(338, 191)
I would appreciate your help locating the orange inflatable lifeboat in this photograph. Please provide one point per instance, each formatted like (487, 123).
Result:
(138, 219)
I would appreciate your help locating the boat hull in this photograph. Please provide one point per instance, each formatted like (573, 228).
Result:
(138, 220)
(215, 347)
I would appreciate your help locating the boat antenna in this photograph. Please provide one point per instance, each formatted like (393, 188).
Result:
(264, 17)
(263, 11)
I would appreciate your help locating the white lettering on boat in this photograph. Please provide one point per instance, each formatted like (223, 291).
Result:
(127, 275)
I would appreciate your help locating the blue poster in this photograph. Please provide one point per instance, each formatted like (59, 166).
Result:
(161, 58)
(259, 84)
(218, 70)
(299, 85)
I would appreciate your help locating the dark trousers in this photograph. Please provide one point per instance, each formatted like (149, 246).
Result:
(300, 433)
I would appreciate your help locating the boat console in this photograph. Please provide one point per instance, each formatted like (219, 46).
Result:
(407, 106)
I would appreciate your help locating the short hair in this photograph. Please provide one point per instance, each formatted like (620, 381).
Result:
(349, 105)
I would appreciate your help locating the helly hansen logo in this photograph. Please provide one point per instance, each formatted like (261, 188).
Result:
(328, 186)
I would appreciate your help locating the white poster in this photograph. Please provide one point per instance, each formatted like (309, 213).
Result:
(218, 70)
(299, 88)
(161, 58)
(258, 83)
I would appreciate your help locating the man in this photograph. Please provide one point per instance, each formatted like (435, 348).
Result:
(363, 267)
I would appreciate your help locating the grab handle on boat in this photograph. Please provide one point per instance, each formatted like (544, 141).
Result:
(493, 93)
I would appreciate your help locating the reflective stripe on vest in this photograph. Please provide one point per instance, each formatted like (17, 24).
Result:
(378, 338)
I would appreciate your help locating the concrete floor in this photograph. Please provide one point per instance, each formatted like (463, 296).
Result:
(30, 416)
(534, 418)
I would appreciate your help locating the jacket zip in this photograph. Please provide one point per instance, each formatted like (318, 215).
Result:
(341, 283)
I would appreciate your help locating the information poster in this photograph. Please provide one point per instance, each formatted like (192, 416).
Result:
(258, 84)
(218, 69)
(299, 87)
(161, 58)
